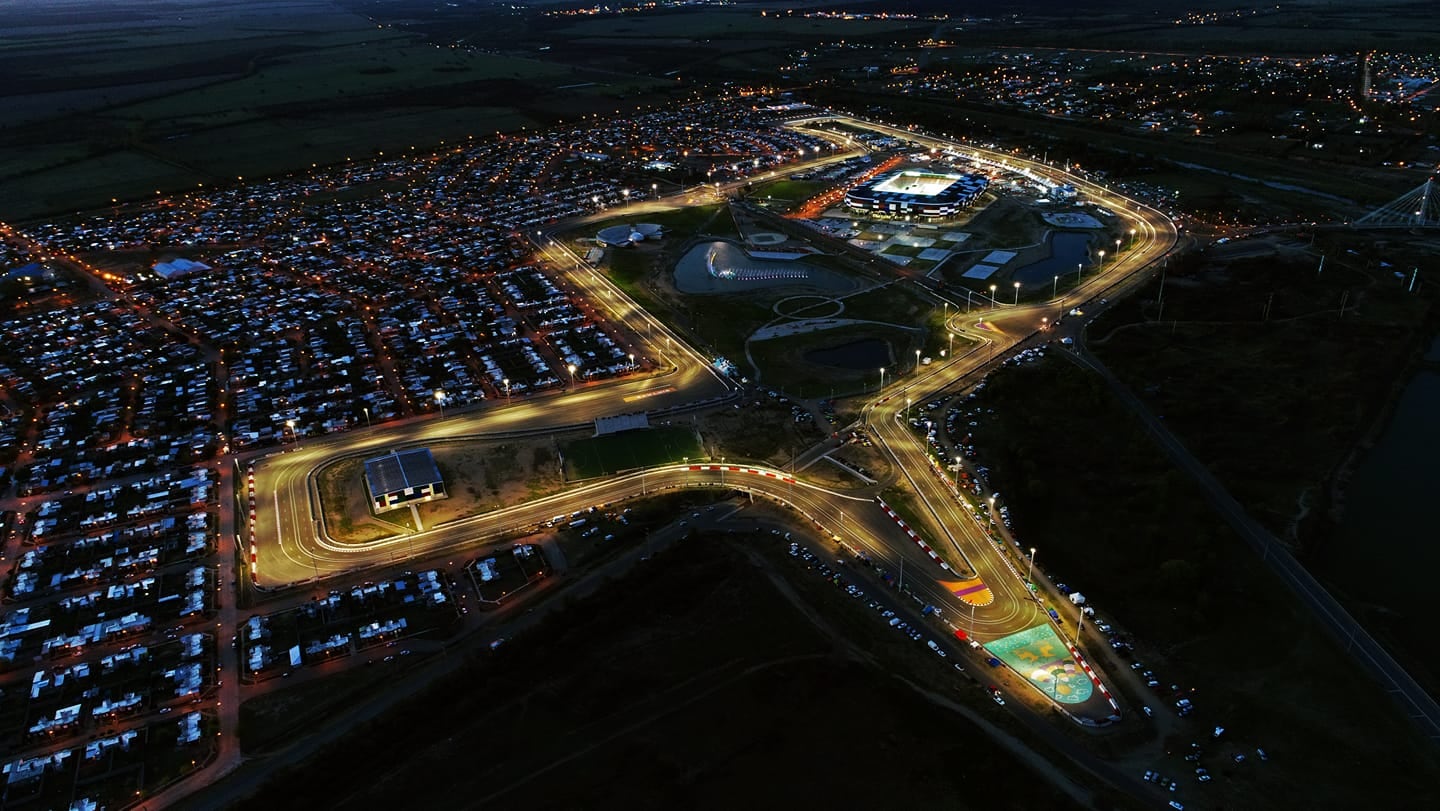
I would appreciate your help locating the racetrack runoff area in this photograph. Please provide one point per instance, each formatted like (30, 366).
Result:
(1040, 656)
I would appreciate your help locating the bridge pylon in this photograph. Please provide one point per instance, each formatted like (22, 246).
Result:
(1419, 207)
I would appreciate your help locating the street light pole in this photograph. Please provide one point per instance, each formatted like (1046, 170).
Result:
(571, 368)
(1054, 285)
(1030, 575)
(992, 297)
(366, 409)
(440, 401)
(917, 360)
(506, 383)
(1017, 294)
(882, 379)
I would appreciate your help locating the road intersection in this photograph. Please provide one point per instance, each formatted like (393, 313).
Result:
(979, 591)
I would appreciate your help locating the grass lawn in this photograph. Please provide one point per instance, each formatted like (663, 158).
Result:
(894, 303)
(345, 505)
(792, 191)
(719, 323)
(783, 364)
(681, 223)
(902, 250)
(628, 450)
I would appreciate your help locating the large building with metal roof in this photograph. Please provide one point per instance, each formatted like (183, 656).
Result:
(917, 193)
(402, 478)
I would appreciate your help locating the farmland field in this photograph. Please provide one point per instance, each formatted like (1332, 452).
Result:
(123, 101)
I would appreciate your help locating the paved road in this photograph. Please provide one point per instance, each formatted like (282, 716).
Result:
(293, 547)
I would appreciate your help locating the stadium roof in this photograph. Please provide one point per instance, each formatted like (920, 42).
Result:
(401, 470)
(618, 235)
(910, 187)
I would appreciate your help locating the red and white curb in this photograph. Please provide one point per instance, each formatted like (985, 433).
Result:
(253, 551)
(914, 536)
(736, 469)
(1099, 685)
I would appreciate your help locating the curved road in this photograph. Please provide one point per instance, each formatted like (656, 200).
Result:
(293, 547)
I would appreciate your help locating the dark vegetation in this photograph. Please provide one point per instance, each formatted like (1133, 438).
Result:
(691, 683)
(1113, 518)
(1273, 403)
(1253, 365)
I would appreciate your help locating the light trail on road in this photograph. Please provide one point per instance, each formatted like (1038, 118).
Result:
(303, 552)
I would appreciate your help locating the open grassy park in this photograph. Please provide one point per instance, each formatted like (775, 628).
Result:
(630, 450)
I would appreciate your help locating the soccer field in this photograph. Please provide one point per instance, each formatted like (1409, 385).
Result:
(630, 450)
(917, 184)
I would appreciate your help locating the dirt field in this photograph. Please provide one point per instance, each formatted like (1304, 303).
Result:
(346, 506)
(481, 477)
(761, 433)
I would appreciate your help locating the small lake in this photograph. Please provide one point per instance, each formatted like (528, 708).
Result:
(1068, 250)
(865, 354)
(735, 271)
